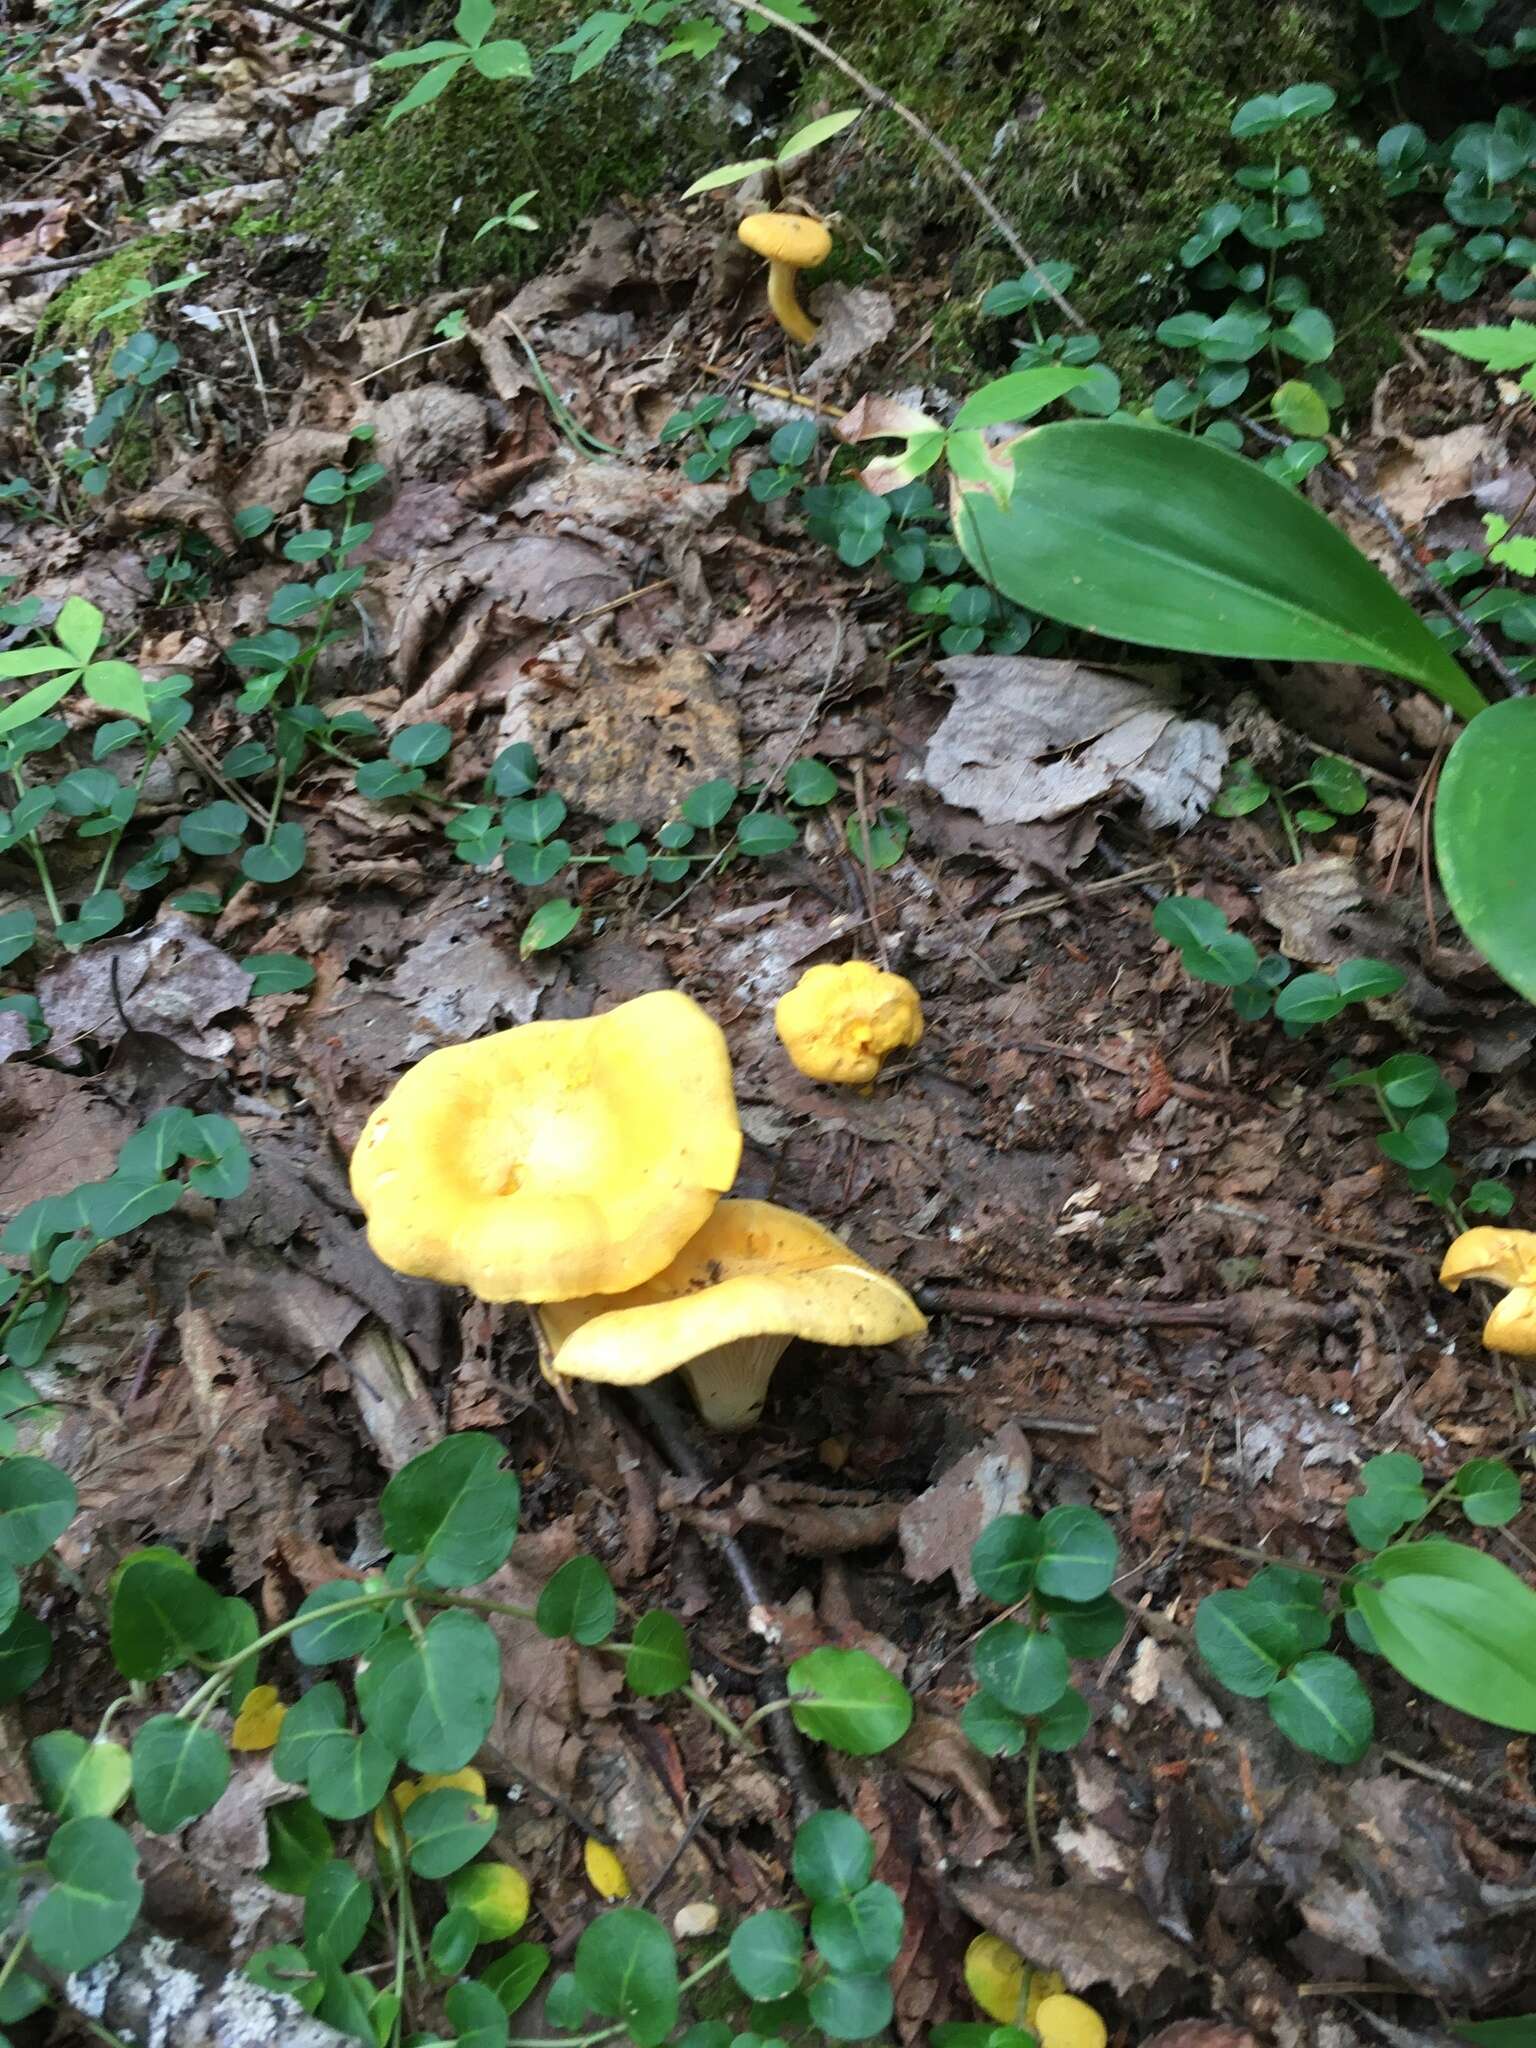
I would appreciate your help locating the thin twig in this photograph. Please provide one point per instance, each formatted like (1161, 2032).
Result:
(700, 1815)
(878, 95)
(47, 266)
(316, 28)
(867, 863)
(782, 1731)
(1106, 1314)
(779, 391)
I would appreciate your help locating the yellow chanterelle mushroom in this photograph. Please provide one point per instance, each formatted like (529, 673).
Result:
(840, 1023)
(791, 243)
(724, 1311)
(569, 1158)
(1508, 1259)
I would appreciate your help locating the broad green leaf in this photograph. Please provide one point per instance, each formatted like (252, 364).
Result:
(1485, 838)
(78, 628)
(162, 1614)
(117, 686)
(1078, 1554)
(1063, 1726)
(658, 1659)
(1458, 1625)
(1298, 1596)
(454, 1940)
(1496, 348)
(459, 1668)
(26, 1650)
(78, 1779)
(314, 1715)
(1208, 949)
(1489, 1492)
(298, 1846)
(848, 1700)
(178, 1772)
(515, 1976)
(445, 1829)
(331, 1627)
(1323, 1707)
(1004, 1557)
(1018, 397)
(37, 1504)
(93, 1899)
(479, 2018)
(550, 924)
(1138, 533)
(456, 1508)
(349, 1774)
(505, 58)
(815, 133)
(852, 2008)
(994, 1728)
(768, 1954)
(1089, 1629)
(287, 1969)
(427, 87)
(861, 1935)
(1246, 1642)
(834, 1856)
(578, 1602)
(728, 174)
(626, 1970)
(337, 1909)
(1023, 1668)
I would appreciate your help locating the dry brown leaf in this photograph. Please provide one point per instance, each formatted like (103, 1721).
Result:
(169, 980)
(939, 1527)
(1090, 1933)
(1029, 739)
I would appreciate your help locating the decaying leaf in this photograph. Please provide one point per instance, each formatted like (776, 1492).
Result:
(1028, 739)
(939, 1527)
(1092, 1934)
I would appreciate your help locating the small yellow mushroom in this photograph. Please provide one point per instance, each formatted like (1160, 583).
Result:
(1063, 2021)
(556, 1159)
(840, 1023)
(791, 243)
(1508, 1259)
(727, 1308)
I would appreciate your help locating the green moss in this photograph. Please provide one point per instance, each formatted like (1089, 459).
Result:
(73, 317)
(1101, 128)
(396, 209)
(252, 224)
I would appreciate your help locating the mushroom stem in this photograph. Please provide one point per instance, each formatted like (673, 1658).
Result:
(729, 1385)
(785, 305)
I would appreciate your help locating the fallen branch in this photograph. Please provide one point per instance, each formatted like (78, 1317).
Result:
(1237, 1312)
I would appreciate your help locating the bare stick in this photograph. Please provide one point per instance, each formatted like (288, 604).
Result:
(316, 28)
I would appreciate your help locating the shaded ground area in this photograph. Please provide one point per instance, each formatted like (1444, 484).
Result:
(1169, 1273)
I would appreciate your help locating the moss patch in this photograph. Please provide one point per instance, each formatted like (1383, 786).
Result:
(1101, 129)
(73, 317)
(397, 209)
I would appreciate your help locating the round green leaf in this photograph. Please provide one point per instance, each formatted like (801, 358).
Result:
(454, 1940)
(550, 925)
(1489, 1492)
(162, 1614)
(1090, 1630)
(37, 1504)
(990, 1725)
(277, 974)
(861, 1935)
(1300, 409)
(287, 1969)
(658, 1658)
(349, 1774)
(298, 1846)
(834, 1856)
(178, 1772)
(445, 1829)
(1165, 540)
(456, 1508)
(1458, 1625)
(578, 1602)
(809, 782)
(93, 1898)
(278, 859)
(459, 1667)
(626, 1970)
(707, 805)
(1246, 1642)
(337, 1909)
(852, 2008)
(515, 1976)
(314, 1715)
(418, 746)
(80, 1780)
(1078, 1554)
(1298, 1598)
(1485, 838)
(1065, 1724)
(326, 1635)
(1023, 1668)
(1322, 1706)
(847, 1699)
(1209, 951)
(1362, 981)
(1004, 1557)
(767, 1954)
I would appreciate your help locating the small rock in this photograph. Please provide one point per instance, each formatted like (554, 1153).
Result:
(691, 1923)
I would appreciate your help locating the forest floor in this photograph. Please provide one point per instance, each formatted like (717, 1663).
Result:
(1169, 1273)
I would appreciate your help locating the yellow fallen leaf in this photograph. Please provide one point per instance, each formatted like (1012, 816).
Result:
(1066, 2022)
(260, 1719)
(495, 1893)
(409, 1790)
(996, 1976)
(605, 1873)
